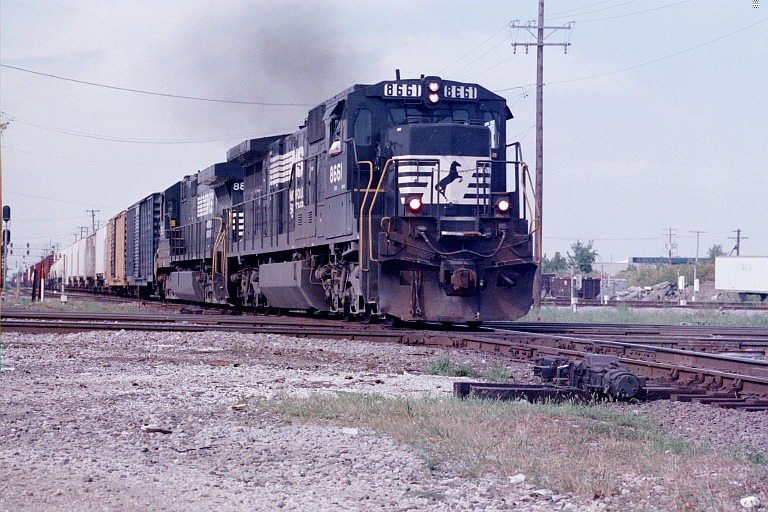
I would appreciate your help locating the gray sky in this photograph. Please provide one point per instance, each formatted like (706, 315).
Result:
(655, 118)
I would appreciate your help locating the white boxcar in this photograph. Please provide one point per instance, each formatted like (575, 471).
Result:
(101, 260)
(742, 274)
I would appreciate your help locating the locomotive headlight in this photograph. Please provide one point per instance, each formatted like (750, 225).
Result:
(415, 204)
(503, 205)
(434, 97)
(433, 86)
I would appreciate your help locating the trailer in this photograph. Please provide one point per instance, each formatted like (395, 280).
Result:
(745, 275)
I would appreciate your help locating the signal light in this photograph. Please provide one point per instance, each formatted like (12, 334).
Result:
(415, 204)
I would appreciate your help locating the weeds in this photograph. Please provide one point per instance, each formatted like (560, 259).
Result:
(444, 366)
(589, 450)
(669, 316)
(497, 374)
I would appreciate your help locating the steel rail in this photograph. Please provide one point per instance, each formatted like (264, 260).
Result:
(736, 376)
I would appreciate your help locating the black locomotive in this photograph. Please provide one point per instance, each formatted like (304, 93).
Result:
(394, 199)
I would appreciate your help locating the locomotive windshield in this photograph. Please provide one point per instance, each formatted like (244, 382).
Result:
(415, 115)
(450, 140)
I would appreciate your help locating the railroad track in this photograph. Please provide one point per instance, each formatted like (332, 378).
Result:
(725, 380)
(648, 304)
(701, 338)
(547, 301)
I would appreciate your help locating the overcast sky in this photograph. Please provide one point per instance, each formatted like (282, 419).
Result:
(656, 117)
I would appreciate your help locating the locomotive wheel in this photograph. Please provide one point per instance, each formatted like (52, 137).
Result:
(346, 312)
(391, 321)
(368, 316)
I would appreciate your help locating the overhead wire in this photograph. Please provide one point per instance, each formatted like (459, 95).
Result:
(556, 17)
(472, 50)
(634, 13)
(153, 93)
(131, 140)
(580, 8)
(69, 159)
(661, 58)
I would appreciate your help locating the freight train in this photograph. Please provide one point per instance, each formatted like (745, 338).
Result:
(396, 199)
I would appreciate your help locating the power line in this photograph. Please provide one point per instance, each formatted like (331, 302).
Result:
(162, 94)
(648, 62)
(662, 58)
(481, 56)
(554, 16)
(54, 199)
(70, 159)
(473, 49)
(131, 140)
(634, 13)
(618, 15)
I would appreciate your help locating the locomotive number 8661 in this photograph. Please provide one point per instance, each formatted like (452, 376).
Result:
(393, 199)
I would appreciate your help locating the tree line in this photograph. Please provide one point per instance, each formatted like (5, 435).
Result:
(584, 257)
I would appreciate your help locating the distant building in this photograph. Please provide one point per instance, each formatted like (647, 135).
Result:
(610, 268)
(642, 260)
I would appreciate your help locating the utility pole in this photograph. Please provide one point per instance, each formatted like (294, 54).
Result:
(738, 239)
(538, 193)
(698, 233)
(696, 266)
(671, 245)
(93, 218)
(3, 263)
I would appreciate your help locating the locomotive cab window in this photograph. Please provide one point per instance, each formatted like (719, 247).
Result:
(491, 121)
(335, 142)
(334, 116)
(363, 128)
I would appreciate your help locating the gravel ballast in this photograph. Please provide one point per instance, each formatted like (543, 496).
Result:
(159, 421)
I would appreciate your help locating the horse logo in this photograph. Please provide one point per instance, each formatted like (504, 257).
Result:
(452, 176)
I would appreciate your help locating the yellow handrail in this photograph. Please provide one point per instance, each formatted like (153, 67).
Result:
(360, 233)
(370, 211)
(215, 245)
(533, 212)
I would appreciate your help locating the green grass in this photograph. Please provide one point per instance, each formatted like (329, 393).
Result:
(589, 450)
(669, 316)
(444, 366)
(53, 303)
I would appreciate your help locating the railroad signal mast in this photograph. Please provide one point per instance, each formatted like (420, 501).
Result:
(539, 29)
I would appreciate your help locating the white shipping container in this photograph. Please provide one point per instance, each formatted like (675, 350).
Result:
(744, 274)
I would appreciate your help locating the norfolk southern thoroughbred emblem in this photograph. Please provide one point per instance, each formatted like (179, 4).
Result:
(453, 175)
